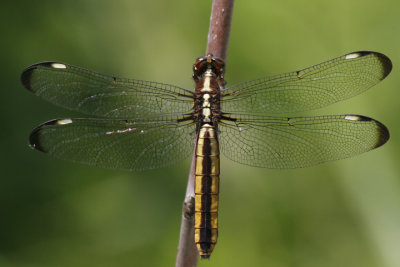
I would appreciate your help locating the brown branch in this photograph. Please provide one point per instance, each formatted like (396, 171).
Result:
(220, 28)
(187, 251)
(218, 39)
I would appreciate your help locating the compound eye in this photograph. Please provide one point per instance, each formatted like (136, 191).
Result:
(219, 65)
(200, 65)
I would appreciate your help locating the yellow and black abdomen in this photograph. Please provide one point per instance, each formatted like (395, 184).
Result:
(206, 190)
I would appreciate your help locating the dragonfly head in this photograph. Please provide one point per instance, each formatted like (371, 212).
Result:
(209, 62)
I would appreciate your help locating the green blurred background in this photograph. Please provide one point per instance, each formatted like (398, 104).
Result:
(56, 213)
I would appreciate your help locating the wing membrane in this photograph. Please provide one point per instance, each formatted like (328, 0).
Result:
(310, 88)
(116, 144)
(284, 143)
(97, 94)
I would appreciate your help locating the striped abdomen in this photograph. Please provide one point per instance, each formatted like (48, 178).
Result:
(206, 190)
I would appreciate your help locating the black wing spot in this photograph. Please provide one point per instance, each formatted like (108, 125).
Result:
(34, 140)
(26, 78)
(27, 73)
(364, 118)
(363, 53)
(34, 137)
(384, 134)
(386, 64)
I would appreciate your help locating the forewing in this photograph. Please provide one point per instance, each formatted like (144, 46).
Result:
(284, 143)
(310, 88)
(102, 95)
(116, 144)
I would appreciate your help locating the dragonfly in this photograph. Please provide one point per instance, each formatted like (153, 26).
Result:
(140, 125)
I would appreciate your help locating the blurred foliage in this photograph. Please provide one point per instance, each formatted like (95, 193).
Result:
(56, 213)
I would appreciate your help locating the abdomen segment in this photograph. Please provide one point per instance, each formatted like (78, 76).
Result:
(206, 190)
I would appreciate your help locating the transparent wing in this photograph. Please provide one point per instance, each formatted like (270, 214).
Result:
(284, 143)
(116, 144)
(97, 94)
(314, 87)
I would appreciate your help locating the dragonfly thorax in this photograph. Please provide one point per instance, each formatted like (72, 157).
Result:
(208, 75)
